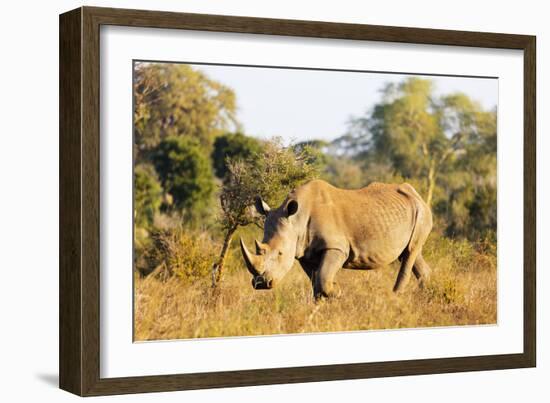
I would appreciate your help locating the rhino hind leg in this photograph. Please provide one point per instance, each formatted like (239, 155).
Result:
(407, 264)
(323, 278)
(412, 255)
(421, 270)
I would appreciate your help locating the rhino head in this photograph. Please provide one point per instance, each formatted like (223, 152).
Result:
(275, 254)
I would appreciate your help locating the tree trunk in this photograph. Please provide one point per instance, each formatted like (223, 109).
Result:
(431, 183)
(217, 268)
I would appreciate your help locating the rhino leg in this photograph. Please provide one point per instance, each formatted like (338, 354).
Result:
(421, 270)
(420, 232)
(309, 267)
(405, 271)
(323, 278)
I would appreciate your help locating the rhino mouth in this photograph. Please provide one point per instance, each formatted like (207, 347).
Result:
(254, 262)
(260, 283)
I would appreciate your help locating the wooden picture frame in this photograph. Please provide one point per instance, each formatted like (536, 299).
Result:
(79, 201)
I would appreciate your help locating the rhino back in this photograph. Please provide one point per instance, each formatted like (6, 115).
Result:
(373, 224)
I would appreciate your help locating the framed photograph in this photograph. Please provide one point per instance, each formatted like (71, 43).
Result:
(248, 201)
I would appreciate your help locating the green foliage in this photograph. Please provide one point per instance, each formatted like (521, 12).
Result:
(483, 212)
(403, 129)
(315, 153)
(345, 173)
(185, 172)
(468, 182)
(232, 146)
(147, 195)
(176, 100)
(278, 169)
(270, 174)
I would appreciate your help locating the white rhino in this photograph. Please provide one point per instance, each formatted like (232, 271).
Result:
(326, 228)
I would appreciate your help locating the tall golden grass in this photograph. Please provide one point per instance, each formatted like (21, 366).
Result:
(461, 291)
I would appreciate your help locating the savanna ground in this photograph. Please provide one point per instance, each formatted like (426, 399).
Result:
(462, 291)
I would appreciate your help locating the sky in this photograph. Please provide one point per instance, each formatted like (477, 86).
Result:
(300, 105)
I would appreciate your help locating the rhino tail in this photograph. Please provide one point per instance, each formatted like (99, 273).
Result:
(422, 217)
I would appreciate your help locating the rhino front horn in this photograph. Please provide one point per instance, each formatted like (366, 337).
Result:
(252, 261)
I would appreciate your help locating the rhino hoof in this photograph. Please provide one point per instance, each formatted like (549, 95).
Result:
(322, 295)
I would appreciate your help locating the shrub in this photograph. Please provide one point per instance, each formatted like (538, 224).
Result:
(270, 174)
(232, 146)
(185, 171)
(445, 290)
(147, 196)
(184, 254)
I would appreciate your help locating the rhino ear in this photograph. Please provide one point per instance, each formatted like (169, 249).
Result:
(261, 206)
(292, 207)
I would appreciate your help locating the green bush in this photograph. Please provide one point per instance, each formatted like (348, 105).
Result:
(147, 195)
(185, 171)
(232, 146)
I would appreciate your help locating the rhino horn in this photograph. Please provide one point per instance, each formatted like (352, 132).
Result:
(260, 247)
(252, 261)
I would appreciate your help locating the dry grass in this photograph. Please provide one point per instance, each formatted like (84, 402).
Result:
(461, 291)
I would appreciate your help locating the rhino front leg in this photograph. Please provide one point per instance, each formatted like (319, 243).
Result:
(323, 279)
(309, 267)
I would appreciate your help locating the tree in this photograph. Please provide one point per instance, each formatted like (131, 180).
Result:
(147, 195)
(445, 145)
(334, 167)
(185, 172)
(315, 152)
(470, 180)
(345, 173)
(177, 100)
(232, 146)
(405, 129)
(270, 174)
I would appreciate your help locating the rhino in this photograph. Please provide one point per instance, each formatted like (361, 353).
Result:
(327, 228)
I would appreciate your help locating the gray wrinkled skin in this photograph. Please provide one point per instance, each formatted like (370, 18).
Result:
(326, 228)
